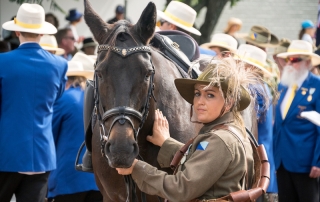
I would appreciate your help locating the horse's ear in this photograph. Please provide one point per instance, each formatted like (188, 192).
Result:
(147, 23)
(98, 27)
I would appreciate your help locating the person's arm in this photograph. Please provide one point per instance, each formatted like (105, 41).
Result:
(161, 137)
(63, 79)
(201, 171)
(315, 170)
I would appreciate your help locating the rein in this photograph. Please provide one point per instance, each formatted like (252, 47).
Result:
(122, 113)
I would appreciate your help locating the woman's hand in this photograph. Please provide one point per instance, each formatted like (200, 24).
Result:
(127, 171)
(160, 129)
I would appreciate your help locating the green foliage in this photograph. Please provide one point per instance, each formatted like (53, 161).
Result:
(53, 4)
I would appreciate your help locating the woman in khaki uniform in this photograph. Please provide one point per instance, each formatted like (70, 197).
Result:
(220, 159)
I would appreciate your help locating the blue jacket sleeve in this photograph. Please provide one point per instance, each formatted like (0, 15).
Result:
(63, 80)
(316, 157)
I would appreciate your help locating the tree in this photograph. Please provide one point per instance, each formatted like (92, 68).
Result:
(214, 10)
(53, 4)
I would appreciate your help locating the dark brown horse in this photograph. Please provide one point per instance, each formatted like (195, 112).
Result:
(125, 78)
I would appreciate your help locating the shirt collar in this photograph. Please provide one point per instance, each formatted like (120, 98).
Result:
(226, 118)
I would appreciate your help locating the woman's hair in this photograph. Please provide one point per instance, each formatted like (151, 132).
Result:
(55, 19)
(301, 33)
(77, 81)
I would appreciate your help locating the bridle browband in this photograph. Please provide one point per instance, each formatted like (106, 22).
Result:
(122, 114)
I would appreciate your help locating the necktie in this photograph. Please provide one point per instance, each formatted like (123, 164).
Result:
(289, 101)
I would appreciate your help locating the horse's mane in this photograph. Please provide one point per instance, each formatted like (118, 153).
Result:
(120, 27)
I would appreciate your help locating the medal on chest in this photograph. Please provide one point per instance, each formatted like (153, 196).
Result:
(311, 91)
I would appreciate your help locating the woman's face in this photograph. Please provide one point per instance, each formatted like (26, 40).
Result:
(208, 103)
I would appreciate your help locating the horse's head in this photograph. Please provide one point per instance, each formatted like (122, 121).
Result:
(123, 82)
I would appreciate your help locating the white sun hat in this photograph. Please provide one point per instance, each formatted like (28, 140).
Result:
(30, 18)
(254, 56)
(181, 15)
(300, 47)
(49, 43)
(81, 65)
(222, 40)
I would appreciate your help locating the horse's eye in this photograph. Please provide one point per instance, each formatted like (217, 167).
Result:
(149, 74)
(99, 74)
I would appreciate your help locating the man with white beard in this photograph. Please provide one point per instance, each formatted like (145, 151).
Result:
(297, 140)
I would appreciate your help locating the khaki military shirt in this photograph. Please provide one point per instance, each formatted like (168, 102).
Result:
(215, 166)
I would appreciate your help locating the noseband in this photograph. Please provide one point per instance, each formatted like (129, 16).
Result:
(122, 114)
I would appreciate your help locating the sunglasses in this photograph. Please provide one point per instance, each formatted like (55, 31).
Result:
(226, 54)
(295, 59)
(70, 37)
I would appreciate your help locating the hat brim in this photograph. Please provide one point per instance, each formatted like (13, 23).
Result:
(85, 73)
(189, 29)
(89, 45)
(59, 51)
(46, 28)
(254, 64)
(273, 42)
(315, 59)
(210, 44)
(186, 90)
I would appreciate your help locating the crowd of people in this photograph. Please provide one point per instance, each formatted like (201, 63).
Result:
(42, 80)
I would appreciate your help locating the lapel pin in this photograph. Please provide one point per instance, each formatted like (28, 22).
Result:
(304, 91)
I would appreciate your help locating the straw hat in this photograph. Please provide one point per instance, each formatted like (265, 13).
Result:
(300, 47)
(30, 18)
(186, 87)
(49, 43)
(253, 56)
(261, 36)
(222, 40)
(282, 47)
(81, 65)
(181, 15)
(233, 21)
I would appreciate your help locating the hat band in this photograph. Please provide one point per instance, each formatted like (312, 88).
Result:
(254, 61)
(48, 45)
(187, 24)
(258, 37)
(292, 50)
(25, 25)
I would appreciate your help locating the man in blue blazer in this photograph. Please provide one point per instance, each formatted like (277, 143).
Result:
(296, 140)
(31, 80)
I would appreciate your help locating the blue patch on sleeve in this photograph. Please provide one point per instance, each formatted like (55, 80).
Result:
(202, 145)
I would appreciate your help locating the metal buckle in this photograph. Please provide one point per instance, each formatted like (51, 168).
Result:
(175, 45)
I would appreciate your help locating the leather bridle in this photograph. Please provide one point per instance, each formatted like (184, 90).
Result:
(122, 114)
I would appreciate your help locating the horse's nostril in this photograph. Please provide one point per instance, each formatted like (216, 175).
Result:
(107, 148)
(135, 149)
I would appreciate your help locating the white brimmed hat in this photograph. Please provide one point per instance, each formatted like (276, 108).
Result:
(49, 43)
(253, 56)
(81, 65)
(300, 47)
(181, 15)
(30, 18)
(231, 22)
(222, 40)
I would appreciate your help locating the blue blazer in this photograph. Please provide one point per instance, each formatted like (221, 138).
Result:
(68, 132)
(31, 79)
(297, 140)
(265, 121)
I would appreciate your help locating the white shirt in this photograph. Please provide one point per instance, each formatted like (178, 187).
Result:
(307, 37)
(299, 82)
